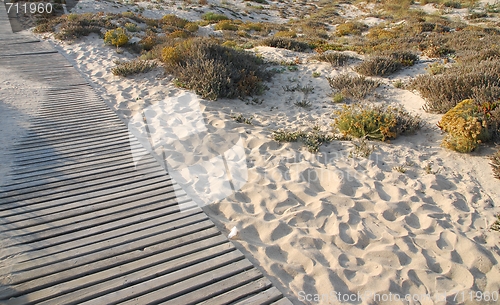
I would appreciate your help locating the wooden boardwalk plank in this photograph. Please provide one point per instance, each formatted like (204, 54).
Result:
(81, 223)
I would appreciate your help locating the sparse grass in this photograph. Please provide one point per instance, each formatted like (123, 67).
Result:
(241, 119)
(400, 169)
(304, 89)
(213, 70)
(495, 164)
(378, 66)
(312, 139)
(303, 104)
(316, 74)
(133, 67)
(361, 149)
(285, 43)
(428, 169)
(336, 59)
(496, 225)
(352, 87)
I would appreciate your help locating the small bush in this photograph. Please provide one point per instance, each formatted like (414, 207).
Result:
(405, 58)
(336, 59)
(286, 34)
(374, 122)
(378, 66)
(285, 43)
(227, 25)
(133, 67)
(117, 37)
(436, 68)
(353, 87)
(174, 21)
(148, 42)
(191, 27)
(179, 34)
(350, 28)
(214, 71)
(213, 17)
(466, 125)
(252, 26)
(131, 27)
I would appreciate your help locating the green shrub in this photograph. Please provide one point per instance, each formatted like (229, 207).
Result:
(175, 21)
(350, 28)
(131, 27)
(133, 67)
(227, 25)
(378, 66)
(117, 37)
(336, 59)
(374, 122)
(366, 122)
(285, 43)
(213, 17)
(353, 87)
(443, 91)
(214, 71)
(467, 125)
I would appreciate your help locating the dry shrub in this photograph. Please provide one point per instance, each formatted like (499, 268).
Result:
(336, 59)
(286, 34)
(191, 27)
(405, 58)
(353, 87)
(467, 125)
(175, 21)
(227, 25)
(375, 122)
(350, 28)
(285, 43)
(73, 26)
(443, 91)
(378, 66)
(133, 67)
(495, 164)
(214, 71)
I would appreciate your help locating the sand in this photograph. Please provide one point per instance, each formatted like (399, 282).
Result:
(326, 223)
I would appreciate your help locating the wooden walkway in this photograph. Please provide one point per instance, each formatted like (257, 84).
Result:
(79, 224)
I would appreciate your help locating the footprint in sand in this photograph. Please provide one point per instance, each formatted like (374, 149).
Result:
(207, 163)
(447, 241)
